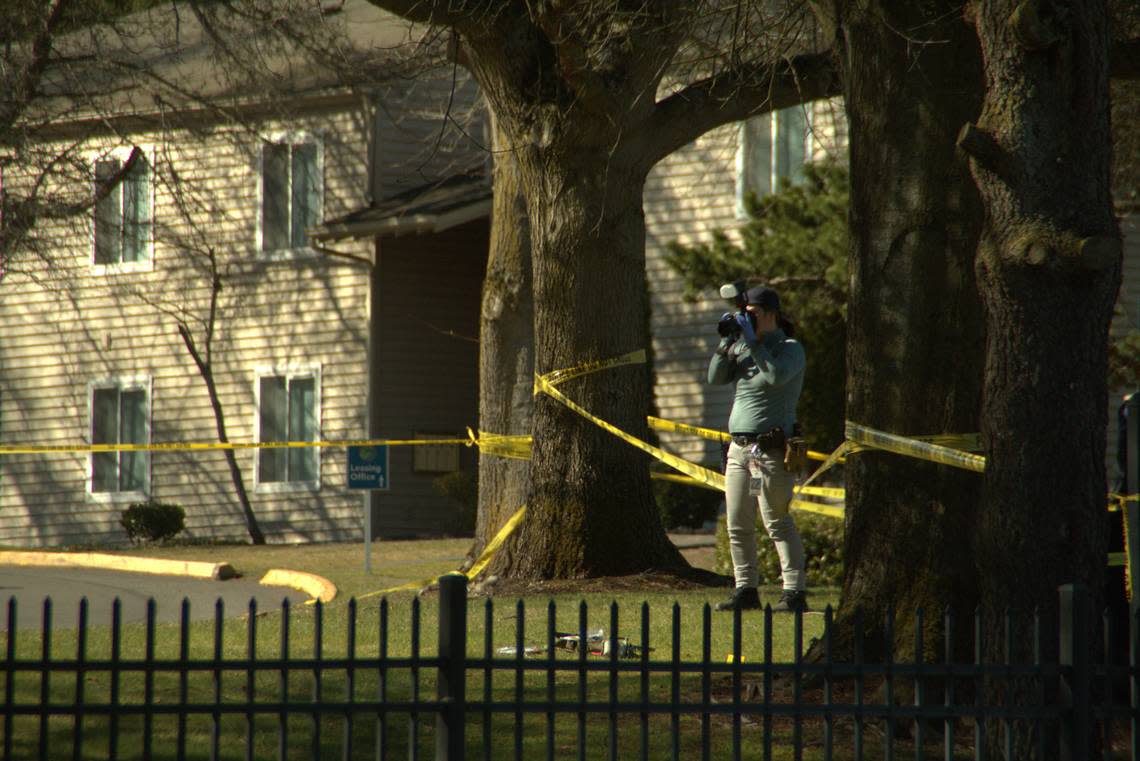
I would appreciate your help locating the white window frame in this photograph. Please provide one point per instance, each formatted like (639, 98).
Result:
(122, 153)
(290, 137)
(289, 372)
(122, 383)
(773, 143)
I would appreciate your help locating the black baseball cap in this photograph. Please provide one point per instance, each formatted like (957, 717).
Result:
(764, 297)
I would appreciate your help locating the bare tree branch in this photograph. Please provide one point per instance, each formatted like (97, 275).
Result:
(735, 94)
(24, 89)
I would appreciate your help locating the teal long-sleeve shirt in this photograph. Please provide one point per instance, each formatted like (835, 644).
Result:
(769, 376)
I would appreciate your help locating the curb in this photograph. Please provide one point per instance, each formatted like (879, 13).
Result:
(314, 586)
(194, 568)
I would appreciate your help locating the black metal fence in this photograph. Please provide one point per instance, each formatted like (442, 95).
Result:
(559, 699)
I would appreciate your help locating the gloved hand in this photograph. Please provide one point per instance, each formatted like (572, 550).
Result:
(746, 328)
(727, 325)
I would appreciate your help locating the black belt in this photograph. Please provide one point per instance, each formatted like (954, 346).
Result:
(773, 439)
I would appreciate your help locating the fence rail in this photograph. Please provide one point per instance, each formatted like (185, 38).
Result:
(469, 701)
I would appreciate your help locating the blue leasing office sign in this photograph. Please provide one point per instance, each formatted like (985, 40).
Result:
(368, 467)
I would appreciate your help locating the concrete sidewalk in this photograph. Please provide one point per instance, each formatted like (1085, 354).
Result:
(696, 539)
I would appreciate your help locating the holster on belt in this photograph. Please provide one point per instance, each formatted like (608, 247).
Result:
(795, 454)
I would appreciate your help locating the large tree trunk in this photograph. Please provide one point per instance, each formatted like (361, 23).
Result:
(506, 348)
(1049, 267)
(914, 323)
(590, 510)
(571, 122)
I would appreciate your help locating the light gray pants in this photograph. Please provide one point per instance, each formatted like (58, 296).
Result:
(773, 502)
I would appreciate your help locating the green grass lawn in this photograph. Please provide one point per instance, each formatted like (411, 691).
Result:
(409, 625)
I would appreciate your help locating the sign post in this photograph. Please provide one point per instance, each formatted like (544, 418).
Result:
(368, 469)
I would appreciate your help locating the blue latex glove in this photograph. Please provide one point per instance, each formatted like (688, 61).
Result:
(746, 327)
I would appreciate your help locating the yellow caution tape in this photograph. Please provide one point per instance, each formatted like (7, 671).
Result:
(694, 474)
(861, 434)
(831, 511)
(967, 442)
(835, 457)
(699, 473)
(827, 492)
(476, 568)
(671, 426)
(948, 449)
(410, 586)
(660, 424)
(208, 445)
(493, 546)
(1116, 501)
(561, 376)
(1127, 558)
(680, 479)
(1119, 503)
(515, 447)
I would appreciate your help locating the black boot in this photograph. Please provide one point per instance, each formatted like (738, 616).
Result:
(743, 598)
(791, 601)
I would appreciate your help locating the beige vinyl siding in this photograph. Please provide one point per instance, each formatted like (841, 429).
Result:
(829, 131)
(68, 325)
(417, 145)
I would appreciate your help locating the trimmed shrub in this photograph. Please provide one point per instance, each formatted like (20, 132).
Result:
(462, 487)
(823, 545)
(683, 506)
(152, 521)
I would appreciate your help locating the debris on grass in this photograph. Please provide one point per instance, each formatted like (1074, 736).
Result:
(596, 644)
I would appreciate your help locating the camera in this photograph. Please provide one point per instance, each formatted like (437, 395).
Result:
(728, 327)
(736, 292)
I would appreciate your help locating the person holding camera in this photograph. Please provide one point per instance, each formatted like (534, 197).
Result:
(758, 353)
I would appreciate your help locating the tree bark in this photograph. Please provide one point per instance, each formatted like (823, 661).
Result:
(506, 348)
(1049, 267)
(915, 331)
(590, 510)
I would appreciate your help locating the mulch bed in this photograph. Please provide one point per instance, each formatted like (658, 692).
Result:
(652, 581)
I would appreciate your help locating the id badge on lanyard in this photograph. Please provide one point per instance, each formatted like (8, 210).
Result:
(755, 472)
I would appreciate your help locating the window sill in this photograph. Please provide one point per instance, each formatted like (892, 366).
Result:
(116, 497)
(123, 267)
(288, 487)
(287, 254)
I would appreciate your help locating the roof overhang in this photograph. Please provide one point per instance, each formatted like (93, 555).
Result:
(423, 210)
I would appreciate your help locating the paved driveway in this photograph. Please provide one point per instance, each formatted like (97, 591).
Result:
(29, 585)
